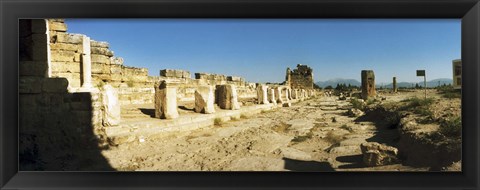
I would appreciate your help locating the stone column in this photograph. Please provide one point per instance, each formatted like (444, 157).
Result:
(368, 84)
(295, 94)
(227, 97)
(262, 96)
(290, 94)
(165, 101)
(111, 106)
(278, 95)
(286, 94)
(302, 95)
(394, 84)
(271, 96)
(86, 64)
(287, 102)
(204, 99)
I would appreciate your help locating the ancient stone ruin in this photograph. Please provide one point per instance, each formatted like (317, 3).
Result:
(300, 78)
(394, 88)
(368, 84)
(75, 89)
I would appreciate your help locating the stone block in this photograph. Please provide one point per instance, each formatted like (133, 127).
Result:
(38, 47)
(30, 85)
(111, 106)
(375, 154)
(67, 47)
(204, 99)
(100, 59)
(115, 69)
(262, 94)
(33, 68)
(116, 60)
(94, 43)
(226, 97)
(100, 68)
(55, 85)
(62, 56)
(68, 38)
(165, 100)
(57, 26)
(102, 51)
(65, 67)
(174, 73)
(38, 26)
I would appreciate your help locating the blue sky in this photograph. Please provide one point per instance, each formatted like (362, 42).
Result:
(260, 50)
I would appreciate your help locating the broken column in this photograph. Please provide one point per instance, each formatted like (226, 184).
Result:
(368, 84)
(278, 95)
(86, 63)
(262, 95)
(165, 100)
(394, 84)
(227, 97)
(111, 106)
(204, 99)
(271, 96)
(302, 94)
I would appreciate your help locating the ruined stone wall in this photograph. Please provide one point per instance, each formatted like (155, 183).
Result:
(300, 78)
(58, 130)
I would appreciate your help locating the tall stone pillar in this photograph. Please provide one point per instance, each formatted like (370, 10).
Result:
(287, 95)
(227, 97)
(86, 64)
(368, 84)
(395, 84)
(278, 95)
(165, 100)
(295, 94)
(290, 93)
(204, 99)
(271, 96)
(262, 94)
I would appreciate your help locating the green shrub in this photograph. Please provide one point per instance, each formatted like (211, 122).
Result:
(357, 104)
(451, 127)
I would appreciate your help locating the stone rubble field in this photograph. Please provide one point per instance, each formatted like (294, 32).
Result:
(313, 135)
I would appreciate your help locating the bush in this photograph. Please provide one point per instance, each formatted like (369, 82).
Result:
(451, 127)
(302, 138)
(419, 106)
(218, 121)
(357, 104)
(333, 138)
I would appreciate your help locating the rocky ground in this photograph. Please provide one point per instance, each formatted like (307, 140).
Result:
(313, 135)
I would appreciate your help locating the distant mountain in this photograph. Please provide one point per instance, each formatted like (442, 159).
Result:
(334, 82)
(431, 83)
(353, 82)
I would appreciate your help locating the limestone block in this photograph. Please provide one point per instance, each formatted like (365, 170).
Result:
(174, 73)
(368, 84)
(287, 104)
(100, 59)
(30, 85)
(67, 47)
(116, 60)
(57, 26)
(102, 51)
(287, 95)
(375, 154)
(262, 94)
(271, 96)
(204, 99)
(235, 78)
(33, 68)
(115, 69)
(68, 38)
(278, 95)
(94, 43)
(62, 56)
(111, 106)
(165, 101)
(38, 26)
(226, 97)
(55, 85)
(98, 68)
(65, 67)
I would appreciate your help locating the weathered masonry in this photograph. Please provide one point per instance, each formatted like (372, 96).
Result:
(72, 89)
(300, 78)
(457, 73)
(368, 84)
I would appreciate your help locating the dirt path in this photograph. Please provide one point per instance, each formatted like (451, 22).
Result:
(313, 135)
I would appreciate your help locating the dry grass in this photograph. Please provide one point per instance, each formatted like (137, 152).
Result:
(302, 138)
(333, 138)
(218, 122)
(282, 128)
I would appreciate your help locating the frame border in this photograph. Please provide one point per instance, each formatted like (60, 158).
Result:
(11, 11)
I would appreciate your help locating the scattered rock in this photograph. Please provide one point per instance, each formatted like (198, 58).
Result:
(375, 154)
(355, 112)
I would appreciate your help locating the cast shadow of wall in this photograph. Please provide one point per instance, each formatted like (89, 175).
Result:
(303, 166)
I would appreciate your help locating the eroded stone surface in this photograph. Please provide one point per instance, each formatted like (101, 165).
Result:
(204, 99)
(111, 106)
(226, 97)
(165, 101)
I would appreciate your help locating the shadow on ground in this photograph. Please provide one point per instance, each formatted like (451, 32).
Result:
(147, 111)
(384, 132)
(299, 165)
(354, 161)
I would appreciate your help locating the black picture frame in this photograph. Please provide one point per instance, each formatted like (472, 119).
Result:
(11, 11)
